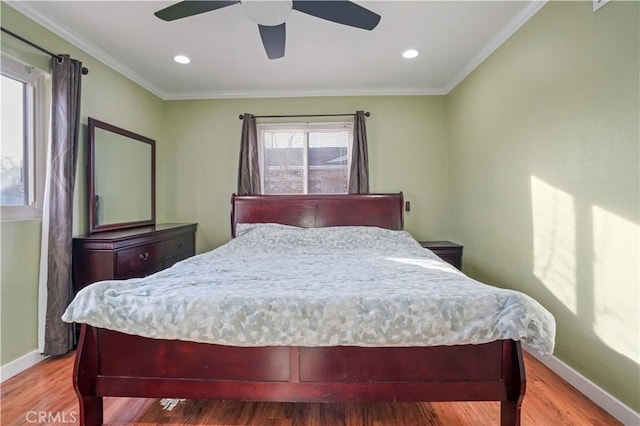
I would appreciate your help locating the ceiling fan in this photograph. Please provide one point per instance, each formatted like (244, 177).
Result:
(271, 16)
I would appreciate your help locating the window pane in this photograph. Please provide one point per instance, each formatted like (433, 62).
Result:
(328, 162)
(284, 162)
(305, 158)
(13, 170)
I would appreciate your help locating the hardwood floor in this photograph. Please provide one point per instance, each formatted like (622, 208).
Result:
(44, 395)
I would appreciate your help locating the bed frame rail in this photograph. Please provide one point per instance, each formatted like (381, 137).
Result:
(488, 372)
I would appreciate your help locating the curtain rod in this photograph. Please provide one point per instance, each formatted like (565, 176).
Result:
(241, 117)
(85, 71)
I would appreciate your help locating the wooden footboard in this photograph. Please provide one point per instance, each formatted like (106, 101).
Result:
(110, 363)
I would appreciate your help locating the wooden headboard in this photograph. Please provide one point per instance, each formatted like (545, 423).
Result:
(316, 210)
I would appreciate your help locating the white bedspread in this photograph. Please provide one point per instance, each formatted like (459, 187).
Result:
(279, 285)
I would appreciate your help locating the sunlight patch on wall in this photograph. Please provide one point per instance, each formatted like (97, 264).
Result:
(616, 275)
(554, 241)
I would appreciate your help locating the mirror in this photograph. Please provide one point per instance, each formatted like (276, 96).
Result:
(121, 178)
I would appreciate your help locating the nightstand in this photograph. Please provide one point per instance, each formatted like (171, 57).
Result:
(448, 251)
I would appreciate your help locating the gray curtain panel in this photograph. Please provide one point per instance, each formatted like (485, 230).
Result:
(359, 173)
(249, 167)
(65, 122)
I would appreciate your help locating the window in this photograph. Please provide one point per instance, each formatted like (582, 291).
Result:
(22, 148)
(305, 158)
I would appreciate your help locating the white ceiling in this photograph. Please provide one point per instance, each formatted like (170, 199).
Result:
(321, 57)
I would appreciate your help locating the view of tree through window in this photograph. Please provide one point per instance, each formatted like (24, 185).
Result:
(14, 153)
(305, 161)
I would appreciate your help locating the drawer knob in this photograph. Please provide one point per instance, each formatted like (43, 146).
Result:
(144, 256)
(180, 244)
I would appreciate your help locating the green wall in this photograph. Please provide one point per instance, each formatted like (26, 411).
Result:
(544, 149)
(19, 257)
(107, 96)
(407, 152)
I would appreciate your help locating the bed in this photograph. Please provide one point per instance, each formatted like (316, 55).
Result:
(314, 360)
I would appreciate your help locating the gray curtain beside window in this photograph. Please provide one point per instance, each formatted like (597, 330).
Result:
(63, 153)
(249, 167)
(359, 172)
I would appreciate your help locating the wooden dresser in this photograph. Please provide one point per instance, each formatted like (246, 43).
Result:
(130, 253)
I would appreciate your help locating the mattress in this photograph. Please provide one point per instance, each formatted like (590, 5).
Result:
(277, 285)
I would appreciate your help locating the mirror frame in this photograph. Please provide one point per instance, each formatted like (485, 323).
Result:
(94, 124)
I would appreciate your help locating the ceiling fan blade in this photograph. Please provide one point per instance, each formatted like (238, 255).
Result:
(342, 12)
(273, 39)
(192, 7)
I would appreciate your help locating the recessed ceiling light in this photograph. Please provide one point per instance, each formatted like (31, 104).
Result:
(181, 59)
(410, 53)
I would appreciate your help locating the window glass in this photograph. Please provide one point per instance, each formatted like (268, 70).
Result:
(22, 147)
(328, 162)
(305, 158)
(284, 162)
(14, 179)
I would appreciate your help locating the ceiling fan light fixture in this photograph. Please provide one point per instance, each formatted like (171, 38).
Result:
(268, 13)
(181, 59)
(410, 53)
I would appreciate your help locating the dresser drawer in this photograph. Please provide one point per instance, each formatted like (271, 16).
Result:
(130, 253)
(170, 261)
(179, 246)
(140, 258)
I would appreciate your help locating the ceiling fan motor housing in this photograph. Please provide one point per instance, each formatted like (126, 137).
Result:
(269, 13)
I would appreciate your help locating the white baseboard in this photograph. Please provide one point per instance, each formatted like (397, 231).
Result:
(19, 365)
(595, 393)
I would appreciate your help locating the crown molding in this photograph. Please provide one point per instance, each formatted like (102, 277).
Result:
(68, 35)
(532, 8)
(498, 40)
(74, 39)
(301, 93)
